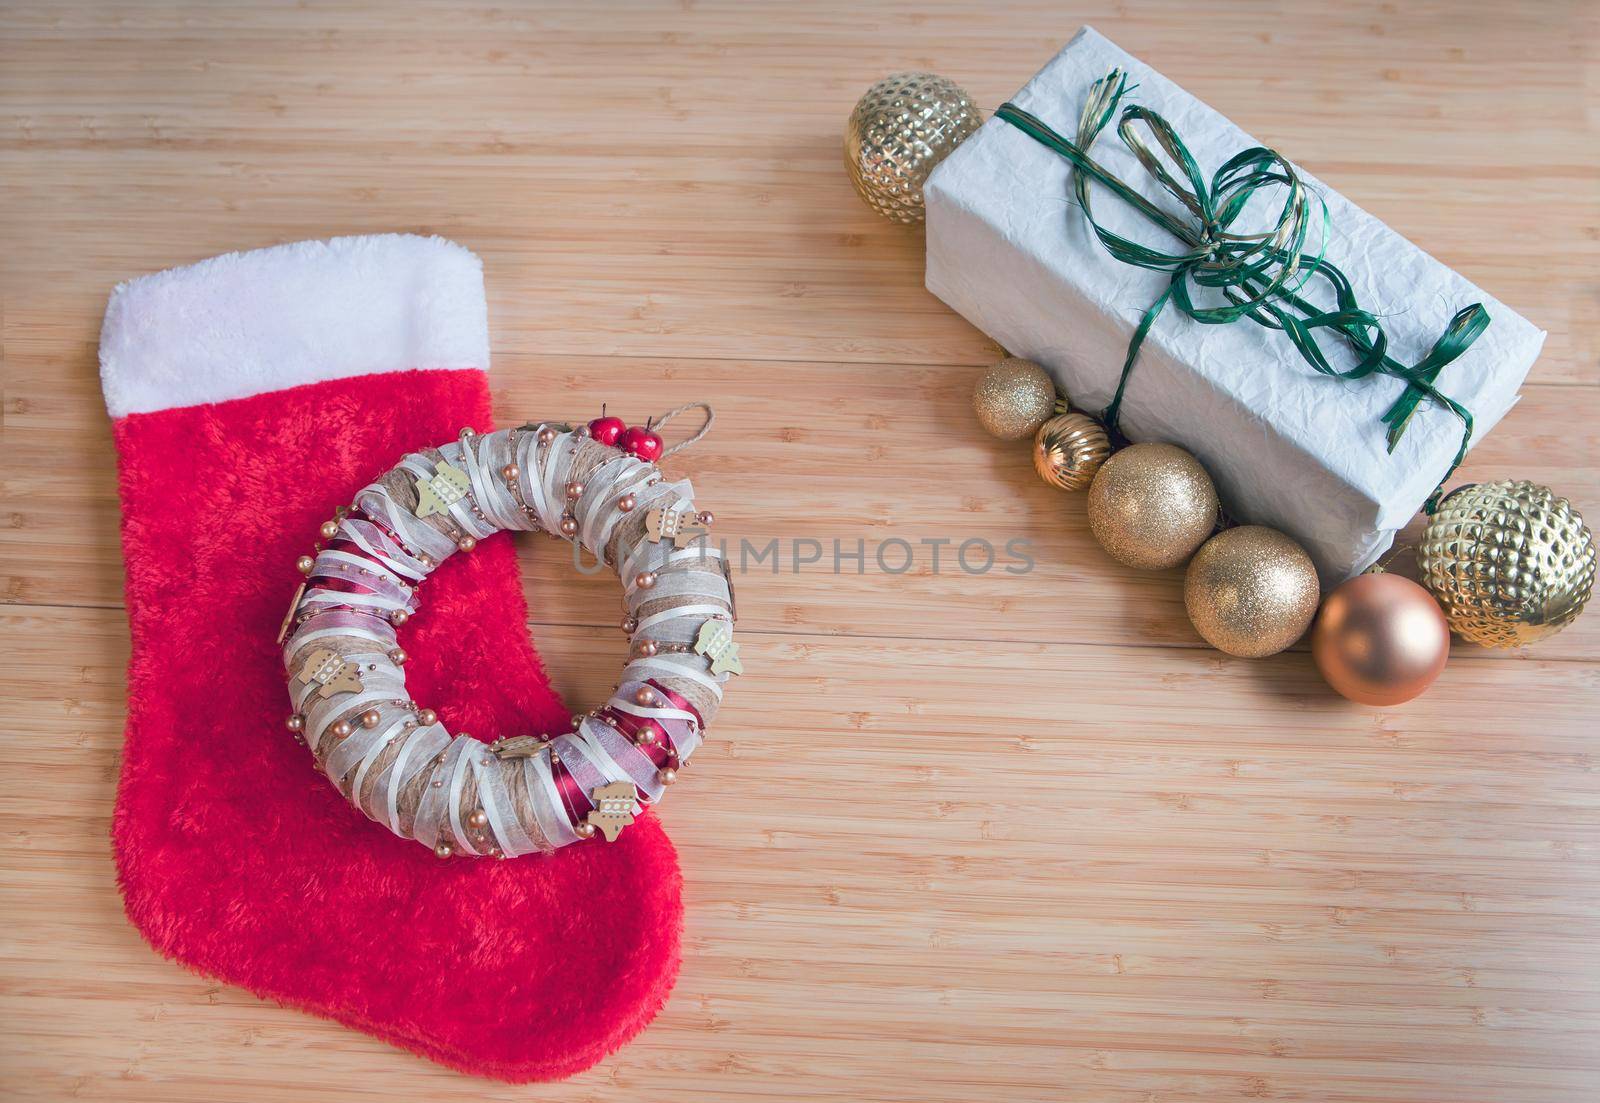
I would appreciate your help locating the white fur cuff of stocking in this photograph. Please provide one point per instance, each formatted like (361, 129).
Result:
(392, 759)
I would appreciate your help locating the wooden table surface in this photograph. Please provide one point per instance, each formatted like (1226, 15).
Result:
(1243, 887)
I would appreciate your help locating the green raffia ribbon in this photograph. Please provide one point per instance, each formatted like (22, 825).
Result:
(1259, 275)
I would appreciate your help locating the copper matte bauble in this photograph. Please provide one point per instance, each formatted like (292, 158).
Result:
(1069, 450)
(1251, 591)
(901, 128)
(1013, 398)
(1380, 639)
(1510, 562)
(1152, 505)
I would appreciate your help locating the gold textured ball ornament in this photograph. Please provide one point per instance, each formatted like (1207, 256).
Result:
(1152, 505)
(904, 126)
(1380, 639)
(1251, 591)
(1069, 449)
(1013, 398)
(1510, 562)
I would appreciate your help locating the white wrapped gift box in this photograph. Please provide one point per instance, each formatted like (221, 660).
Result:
(1009, 248)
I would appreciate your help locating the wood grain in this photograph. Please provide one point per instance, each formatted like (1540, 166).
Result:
(1241, 886)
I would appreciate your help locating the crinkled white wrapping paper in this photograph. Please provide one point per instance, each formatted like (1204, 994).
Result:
(1010, 250)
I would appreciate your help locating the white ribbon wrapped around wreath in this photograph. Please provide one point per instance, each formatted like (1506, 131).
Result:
(394, 760)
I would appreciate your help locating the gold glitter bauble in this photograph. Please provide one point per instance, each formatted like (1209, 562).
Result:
(904, 126)
(1069, 449)
(1152, 505)
(1251, 591)
(1014, 398)
(1510, 562)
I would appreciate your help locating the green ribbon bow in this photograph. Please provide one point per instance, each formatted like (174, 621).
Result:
(1259, 275)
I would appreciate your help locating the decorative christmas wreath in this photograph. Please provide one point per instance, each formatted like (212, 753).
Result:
(596, 485)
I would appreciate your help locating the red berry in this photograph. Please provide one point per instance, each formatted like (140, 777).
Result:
(642, 443)
(606, 430)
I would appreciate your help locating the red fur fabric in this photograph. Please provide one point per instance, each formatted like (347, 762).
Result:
(239, 860)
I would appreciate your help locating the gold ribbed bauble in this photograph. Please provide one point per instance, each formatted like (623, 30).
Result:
(1380, 639)
(1014, 398)
(1069, 449)
(904, 126)
(1152, 505)
(1510, 562)
(1251, 591)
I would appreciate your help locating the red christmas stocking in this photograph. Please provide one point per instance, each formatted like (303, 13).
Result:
(253, 394)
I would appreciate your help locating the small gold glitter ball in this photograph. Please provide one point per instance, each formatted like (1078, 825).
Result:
(1013, 398)
(1251, 591)
(1069, 449)
(1510, 562)
(1152, 505)
(904, 126)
